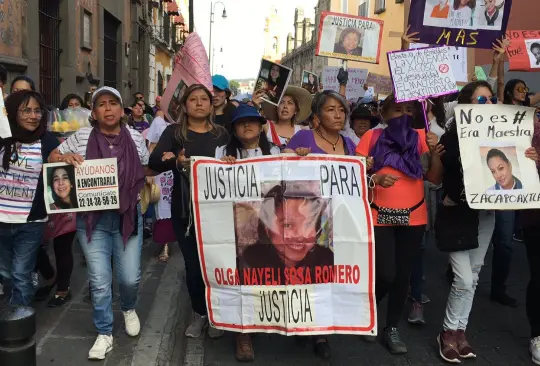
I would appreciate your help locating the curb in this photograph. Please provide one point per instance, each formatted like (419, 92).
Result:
(158, 339)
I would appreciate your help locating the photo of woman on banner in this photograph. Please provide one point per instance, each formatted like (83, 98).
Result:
(492, 13)
(289, 230)
(272, 79)
(441, 10)
(310, 82)
(534, 53)
(62, 187)
(349, 42)
(462, 13)
(502, 171)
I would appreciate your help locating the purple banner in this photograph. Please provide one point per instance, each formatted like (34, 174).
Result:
(462, 23)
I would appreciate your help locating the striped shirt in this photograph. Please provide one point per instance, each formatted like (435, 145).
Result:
(76, 144)
(18, 185)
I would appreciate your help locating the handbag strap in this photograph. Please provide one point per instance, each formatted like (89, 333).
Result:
(374, 206)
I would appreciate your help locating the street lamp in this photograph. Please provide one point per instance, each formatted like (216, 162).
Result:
(224, 16)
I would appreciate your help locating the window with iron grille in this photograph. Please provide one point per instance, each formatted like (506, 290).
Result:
(167, 29)
(380, 6)
(160, 83)
(110, 50)
(363, 9)
(49, 51)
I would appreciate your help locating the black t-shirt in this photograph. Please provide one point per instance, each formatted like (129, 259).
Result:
(453, 185)
(197, 144)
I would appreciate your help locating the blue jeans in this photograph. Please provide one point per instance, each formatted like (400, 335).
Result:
(19, 244)
(505, 222)
(107, 242)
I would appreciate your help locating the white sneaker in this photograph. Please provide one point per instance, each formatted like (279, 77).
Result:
(535, 350)
(101, 347)
(198, 323)
(133, 326)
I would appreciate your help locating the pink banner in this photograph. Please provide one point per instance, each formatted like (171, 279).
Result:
(190, 67)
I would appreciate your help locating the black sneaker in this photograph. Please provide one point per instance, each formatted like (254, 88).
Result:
(43, 292)
(504, 299)
(518, 237)
(393, 341)
(322, 348)
(58, 301)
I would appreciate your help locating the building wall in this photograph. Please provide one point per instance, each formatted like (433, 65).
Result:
(164, 62)
(272, 36)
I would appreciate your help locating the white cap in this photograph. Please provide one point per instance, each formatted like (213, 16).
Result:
(107, 90)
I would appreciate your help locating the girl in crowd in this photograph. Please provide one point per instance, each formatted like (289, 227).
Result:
(23, 219)
(195, 135)
(72, 101)
(137, 119)
(247, 140)
(330, 111)
(111, 234)
(458, 229)
(402, 156)
(22, 82)
(284, 119)
(163, 229)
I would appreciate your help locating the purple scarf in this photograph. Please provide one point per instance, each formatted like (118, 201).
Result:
(130, 176)
(397, 147)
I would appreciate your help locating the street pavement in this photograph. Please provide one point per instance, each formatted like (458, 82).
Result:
(500, 335)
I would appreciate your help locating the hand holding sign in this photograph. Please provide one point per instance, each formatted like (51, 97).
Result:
(182, 160)
(531, 153)
(72, 159)
(500, 48)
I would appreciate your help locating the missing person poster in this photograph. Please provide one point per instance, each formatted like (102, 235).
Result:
(5, 130)
(273, 78)
(310, 82)
(355, 85)
(492, 142)
(462, 23)
(349, 37)
(191, 67)
(421, 73)
(93, 186)
(524, 50)
(286, 244)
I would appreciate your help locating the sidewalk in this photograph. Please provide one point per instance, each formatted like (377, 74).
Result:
(500, 335)
(65, 335)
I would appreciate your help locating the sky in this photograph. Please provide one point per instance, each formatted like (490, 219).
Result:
(241, 34)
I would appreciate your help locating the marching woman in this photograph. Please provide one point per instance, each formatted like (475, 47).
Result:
(458, 229)
(285, 119)
(330, 110)
(195, 135)
(402, 157)
(106, 234)
(247, 140)
(22, 206)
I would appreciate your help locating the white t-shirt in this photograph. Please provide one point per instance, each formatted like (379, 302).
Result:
(282, 140)
(18, 185)
(251, 153)
(156, 129)
(76, 144)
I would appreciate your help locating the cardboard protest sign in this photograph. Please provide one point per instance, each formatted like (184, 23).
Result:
(93, 186)
(458, 60)
(310, 82)
(524, 50)
(282, 242)
(472, 23)
(421, 73)
(349, 37)
(191, 67)
(382, 84)
(492, 143)
(273, 79)
(355, 85)
(5, 130)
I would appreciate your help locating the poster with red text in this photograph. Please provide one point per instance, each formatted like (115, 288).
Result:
(524, 50)
(190, 67)
(286, 244)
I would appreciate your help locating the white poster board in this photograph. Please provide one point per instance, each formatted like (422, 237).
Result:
(492, 144)
(355, 85)
(282, 240)
(458, 60)
(421, 73)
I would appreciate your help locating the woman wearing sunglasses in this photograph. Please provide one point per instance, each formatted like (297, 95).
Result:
(458, 229)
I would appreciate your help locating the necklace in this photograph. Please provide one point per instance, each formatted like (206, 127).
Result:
(334, 144)
(112, 143)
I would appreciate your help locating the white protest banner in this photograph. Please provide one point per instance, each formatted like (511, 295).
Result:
(355, 85)
(421, 73)
(349, 37)
(5, 130)
(492, 144)
(382, 84)
(191, 67)
(286, 244)
(93, 186)
(458, 61)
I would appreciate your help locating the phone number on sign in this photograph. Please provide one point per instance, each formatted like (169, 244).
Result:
(97, 201)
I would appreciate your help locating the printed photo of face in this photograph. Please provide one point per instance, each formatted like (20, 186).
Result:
(351, 41)
(502, 171)
(62, 184)
(274, 72)
(535, 50)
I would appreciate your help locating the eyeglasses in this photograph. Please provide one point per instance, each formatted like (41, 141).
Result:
(27, 112)
(483, 100)
(522, 89)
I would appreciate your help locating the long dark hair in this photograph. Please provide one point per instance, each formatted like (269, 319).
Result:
(471, 4)
(65, 101)
(23, 78)
(509, 90)
(465, 97)
(19, 134)
(235, 146)
(70, 170)
(437, 108)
